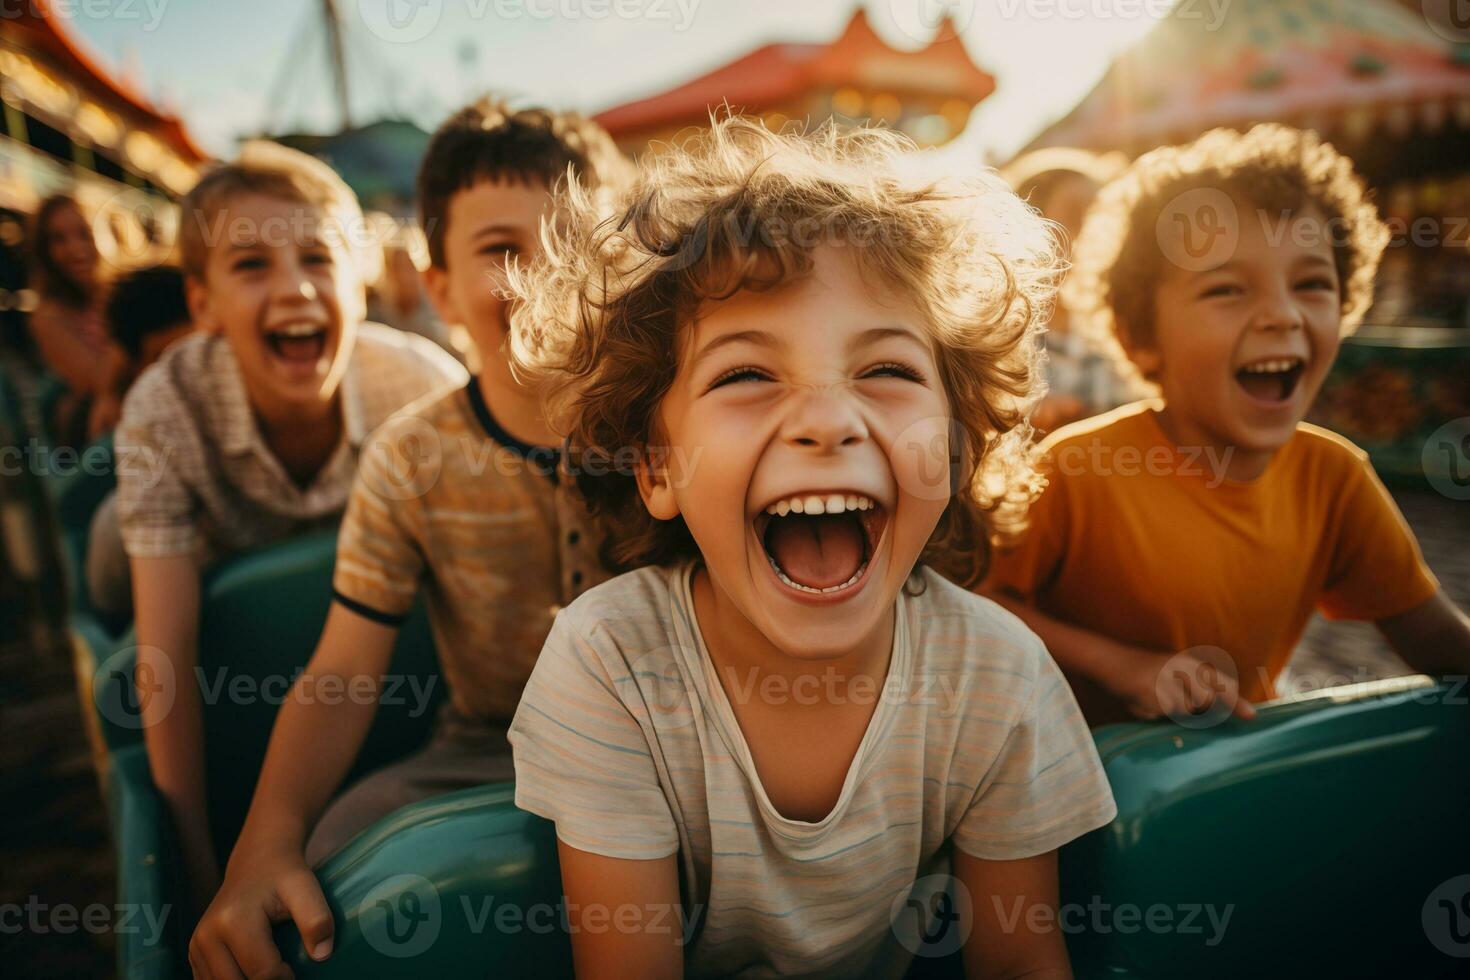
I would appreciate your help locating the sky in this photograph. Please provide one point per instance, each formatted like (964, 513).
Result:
(234, 68)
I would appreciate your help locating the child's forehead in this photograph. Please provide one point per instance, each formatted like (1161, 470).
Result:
(255, 218)
(511, 199)
(1210, 228)
(831, 299)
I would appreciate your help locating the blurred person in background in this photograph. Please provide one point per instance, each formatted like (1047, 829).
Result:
(147, 311)
(68, 325)
(398, 298)
(1061, 183)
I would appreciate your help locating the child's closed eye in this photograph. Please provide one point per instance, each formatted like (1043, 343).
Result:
(1220, 290)
(737, 375)
(248, 263)
(1314, 283)
(895, 369)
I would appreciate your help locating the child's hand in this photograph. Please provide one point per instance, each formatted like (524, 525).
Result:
(1176, 686)
(260, 889)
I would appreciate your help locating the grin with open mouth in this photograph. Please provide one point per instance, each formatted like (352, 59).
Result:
(1271, 381)
(300, 344)
(820, 544)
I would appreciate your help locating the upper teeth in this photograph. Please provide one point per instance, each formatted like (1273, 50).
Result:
(1271, 367)
(820, 503)
(298, 330)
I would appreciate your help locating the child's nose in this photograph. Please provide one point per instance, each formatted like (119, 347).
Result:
(294, 284)
(824, 418)
(1278, 311)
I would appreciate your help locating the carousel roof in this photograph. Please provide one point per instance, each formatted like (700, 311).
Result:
(37, 29)
(776, 74)
(1303, 61)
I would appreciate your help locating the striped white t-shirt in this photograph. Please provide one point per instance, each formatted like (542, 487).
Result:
(626, 739)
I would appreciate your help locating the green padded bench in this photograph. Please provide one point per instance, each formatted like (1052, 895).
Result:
(1323, 827)
(260, 621)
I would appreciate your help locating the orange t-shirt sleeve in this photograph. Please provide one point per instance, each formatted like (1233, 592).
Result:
(1027, 566)
(1377, 569)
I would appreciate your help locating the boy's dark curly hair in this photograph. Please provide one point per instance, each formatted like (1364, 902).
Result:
(487, 140)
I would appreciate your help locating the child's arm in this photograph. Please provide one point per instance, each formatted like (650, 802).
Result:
(311, 749)
(624, 916)
(166, 603)
(1015, 932)
(1135, 675)
(1433, 637)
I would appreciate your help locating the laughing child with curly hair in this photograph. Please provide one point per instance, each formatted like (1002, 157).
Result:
(793, 383)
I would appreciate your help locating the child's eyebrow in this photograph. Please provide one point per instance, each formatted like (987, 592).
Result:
(874, 334)
(762, 338)
(495, 230)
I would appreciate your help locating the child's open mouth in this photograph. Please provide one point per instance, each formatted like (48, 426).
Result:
(1273, 380)
(820, 543)
(299, 343)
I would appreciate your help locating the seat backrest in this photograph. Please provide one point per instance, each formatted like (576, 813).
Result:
(1304, 843)
(1265, 848)
(76, 497)
(262, 616)
(461, 885)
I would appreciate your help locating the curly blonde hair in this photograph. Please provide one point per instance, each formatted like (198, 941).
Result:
(740, 207)
(1117, 258)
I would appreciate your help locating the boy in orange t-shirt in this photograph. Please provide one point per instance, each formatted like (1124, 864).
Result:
(1182, 543)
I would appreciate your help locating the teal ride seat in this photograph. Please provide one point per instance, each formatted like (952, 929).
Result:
(1323, 827)
(261, 617)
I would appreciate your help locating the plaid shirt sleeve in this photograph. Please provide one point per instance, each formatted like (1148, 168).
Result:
(156, 512)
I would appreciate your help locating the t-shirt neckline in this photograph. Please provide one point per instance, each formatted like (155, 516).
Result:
(542, 459)
(707, 686)
(1161, 438)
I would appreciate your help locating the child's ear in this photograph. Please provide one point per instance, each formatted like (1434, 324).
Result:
(201, 311)
(1145, 357)
(656, 486)
(436, 284)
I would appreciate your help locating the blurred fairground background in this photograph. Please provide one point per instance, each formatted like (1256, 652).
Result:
(122, 103)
